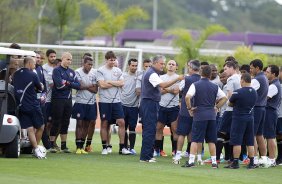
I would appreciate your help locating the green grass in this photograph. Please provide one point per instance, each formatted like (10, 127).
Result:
(94, 168)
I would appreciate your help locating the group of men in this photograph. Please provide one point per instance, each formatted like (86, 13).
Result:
(231, 110)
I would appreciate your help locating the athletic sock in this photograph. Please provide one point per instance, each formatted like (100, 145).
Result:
(251, 160)
(219, 146)
(158, 144)
(199, 157)
(63, 145)
(191, 159)
(162, 144)
(188, 147)
(132, 139)
(82, 143)
(213, 159)
(174, 146)
(236, 161)
(279, 150)
(227, 151)
(88, 142)
(52, 144)
(77, 143)
(104, 144)
(126, 139)
(121, 146)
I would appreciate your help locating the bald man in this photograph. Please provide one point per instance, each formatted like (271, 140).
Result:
(64, 80)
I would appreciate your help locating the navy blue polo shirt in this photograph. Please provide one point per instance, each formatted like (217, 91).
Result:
(64, 81)
(274, 102)
(244, 100)
(263, 89)
(188, 81)
(39, 71)
(25, 84)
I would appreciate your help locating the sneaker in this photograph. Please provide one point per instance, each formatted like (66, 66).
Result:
(109, 149)
(185, 154)
(133, 152)
(156, 154)
(176, 161)
(208, 161)
(88, 149)
(200, 162)
(38, 154)
(66, 150)
(104, 151)
(188, 165)
(215, 166)
(251, 166)
(53, 150)
(57, 147)
(163, 154)
(148, 161)
(125, 151)
(83, 151)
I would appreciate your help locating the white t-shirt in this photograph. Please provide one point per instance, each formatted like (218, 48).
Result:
(48, 72)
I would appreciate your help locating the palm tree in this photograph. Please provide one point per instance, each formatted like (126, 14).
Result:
(109, 23)
(188, 45)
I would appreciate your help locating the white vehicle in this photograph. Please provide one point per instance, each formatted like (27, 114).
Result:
(11, 138)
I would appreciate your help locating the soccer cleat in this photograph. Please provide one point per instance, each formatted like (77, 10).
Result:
(57, 147)
(83, 152)
(163, 154)
(53, 150)
(188, 165)
(125, 151)
(251, 166)
(66, 150)
(232, 166)
(109, 149)
(215, 166)
(88, 149)
(278, 161)
(104, 151)
(78, 151)
(133, 152)
(38, 153)
(246, 161)
(176, 161)
(208, 161)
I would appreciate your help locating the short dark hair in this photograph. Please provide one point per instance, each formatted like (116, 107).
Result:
(147, 61)
(131, 60)
(246, 77)
(15, 46)
(27, 60)
(86, 59)
(245, 67)
(57, 60)
(204, 63)
(86, 54)
(230, 58)
(206, 71)
(230, 64)
(109, 55)
(194, 64)
(257, 63)
(274, 69)
(50, 51)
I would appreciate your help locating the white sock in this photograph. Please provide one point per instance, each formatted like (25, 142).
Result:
(199, 157)
(255, 160)
(191, 159)
(213, 158)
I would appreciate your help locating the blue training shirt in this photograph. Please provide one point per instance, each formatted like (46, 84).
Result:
(26, 82)
(64, 81)
(244, 100)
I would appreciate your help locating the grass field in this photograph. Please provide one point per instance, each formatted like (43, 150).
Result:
(94, 168)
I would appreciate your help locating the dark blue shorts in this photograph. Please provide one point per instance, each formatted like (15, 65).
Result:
(204, 130)
(168, 115)
(279, 126)
(259, 117)
(86, 112)
(33, 118)
(242, 130)
(48, 111)
(184, 125)
(269, 127)
(110, 111)
(226, 122)
(130, 116)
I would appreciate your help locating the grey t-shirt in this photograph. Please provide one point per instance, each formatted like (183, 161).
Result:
(47, 72)
(128, 91)
(170, 100)
(85, 96)
(233, 83)
(110, 95)
(217, 82)
(223, 108)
